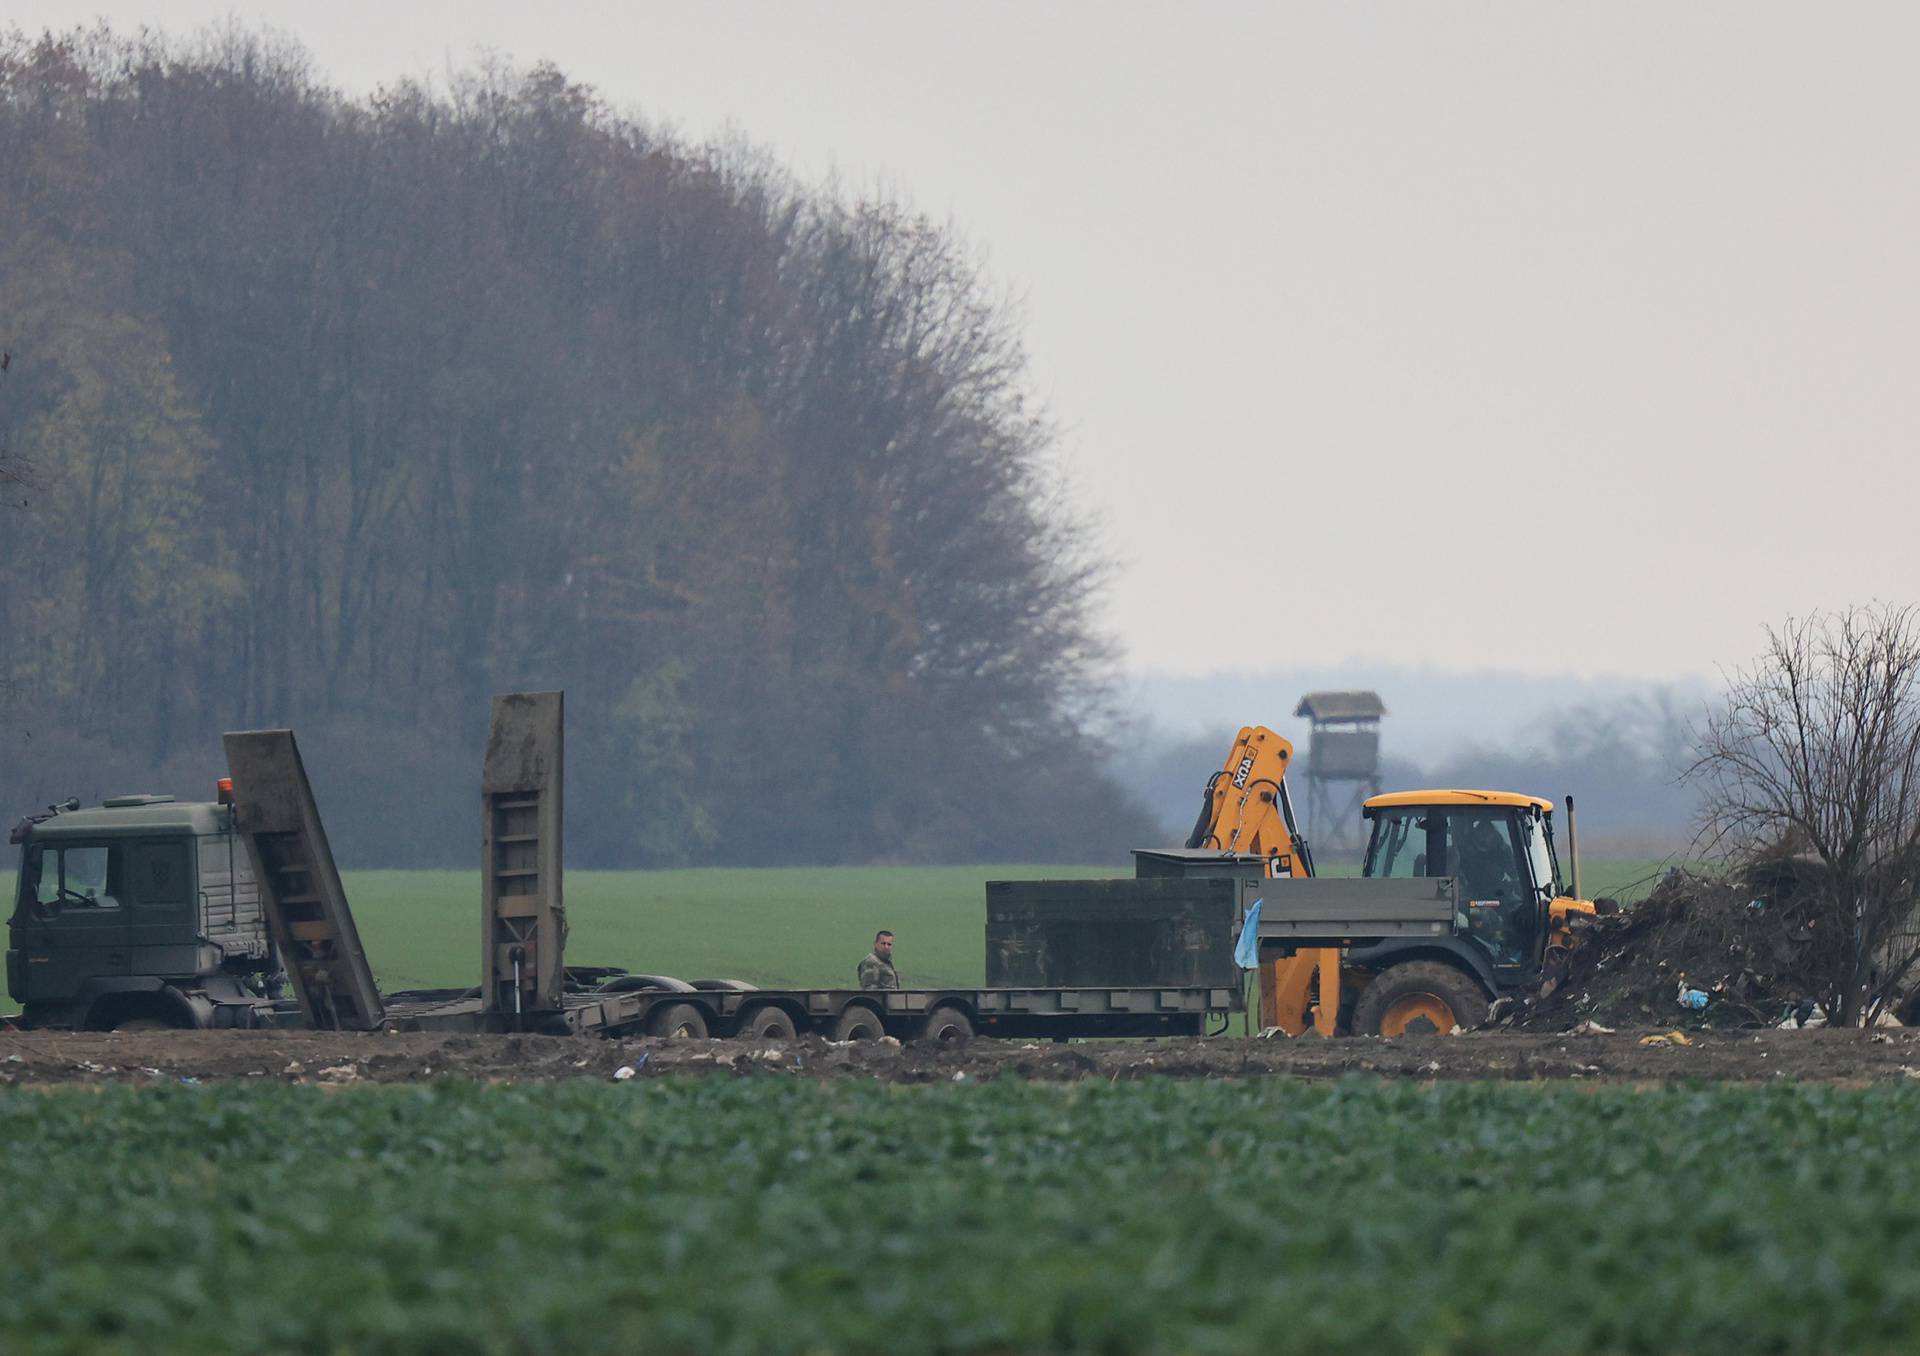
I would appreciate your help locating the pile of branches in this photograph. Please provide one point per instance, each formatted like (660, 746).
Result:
(1756, 943)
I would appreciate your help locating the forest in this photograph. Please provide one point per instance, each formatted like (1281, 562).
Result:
(347, 413)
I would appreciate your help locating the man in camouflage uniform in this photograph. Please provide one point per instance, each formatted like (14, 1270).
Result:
(876, 971)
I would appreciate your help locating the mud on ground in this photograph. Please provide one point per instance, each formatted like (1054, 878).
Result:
(157, 1057)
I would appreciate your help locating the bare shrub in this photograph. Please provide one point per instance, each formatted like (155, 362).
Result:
(1815, 755)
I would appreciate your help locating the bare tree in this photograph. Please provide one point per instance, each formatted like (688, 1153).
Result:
(1817, 754)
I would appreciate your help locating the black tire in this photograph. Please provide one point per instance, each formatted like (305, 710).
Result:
(858, 1023)
(634, 983)
(946, 1024)
(767, 1023)
(678, 1021)
(725, 986)
(142, 1024)
(1415, 997)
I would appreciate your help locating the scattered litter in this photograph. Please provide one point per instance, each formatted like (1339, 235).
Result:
(1593, 1028)
(150, 1073)
(1803, 1016)
(1693, 1000)
(1431, 1066)
(623, 1073)
(1669, 1038)
(960, 1077)
(15, 1059)
(186, 1080)
(893, 1041)
(338, 1073)
(295, 1067)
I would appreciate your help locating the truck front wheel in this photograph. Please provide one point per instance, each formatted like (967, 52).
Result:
(1419, 998)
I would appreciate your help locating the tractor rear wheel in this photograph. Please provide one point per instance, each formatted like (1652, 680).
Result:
(1419, 998)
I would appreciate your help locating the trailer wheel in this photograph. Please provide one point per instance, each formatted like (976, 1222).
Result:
(678, 1021)
(858, 1023)
(767, 1023)
(947, 1024)
(1419, 998)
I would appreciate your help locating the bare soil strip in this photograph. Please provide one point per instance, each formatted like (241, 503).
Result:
(155, 1057)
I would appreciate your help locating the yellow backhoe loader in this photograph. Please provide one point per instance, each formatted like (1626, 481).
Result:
(1510, 915)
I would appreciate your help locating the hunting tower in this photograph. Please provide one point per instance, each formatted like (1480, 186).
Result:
(1343, 768)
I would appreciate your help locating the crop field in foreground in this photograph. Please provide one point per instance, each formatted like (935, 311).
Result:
(763, 1215)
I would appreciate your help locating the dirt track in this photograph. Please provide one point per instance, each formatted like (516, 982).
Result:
(38, 1058)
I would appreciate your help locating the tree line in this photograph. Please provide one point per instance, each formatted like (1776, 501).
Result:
(348, 413)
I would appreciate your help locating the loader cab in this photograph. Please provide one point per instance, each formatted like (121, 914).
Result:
(1498, 845)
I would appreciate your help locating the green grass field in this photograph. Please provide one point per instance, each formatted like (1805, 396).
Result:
(795, 926)
(778, 1216)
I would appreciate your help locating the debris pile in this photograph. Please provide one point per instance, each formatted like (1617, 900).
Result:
(1740, 951)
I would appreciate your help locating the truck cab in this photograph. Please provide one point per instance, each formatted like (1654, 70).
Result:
(138, 912)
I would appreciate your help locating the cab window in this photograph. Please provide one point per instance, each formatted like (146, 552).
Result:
(1399, 848)
(75, 876)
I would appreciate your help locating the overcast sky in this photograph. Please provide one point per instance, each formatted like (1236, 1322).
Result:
(1550, 337)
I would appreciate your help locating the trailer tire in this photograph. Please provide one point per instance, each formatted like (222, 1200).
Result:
(1419, 998)
(678, 1021)
(143, 1024)
(767, 1022)
(947, 1024)
(724, 986)
(858, 1023)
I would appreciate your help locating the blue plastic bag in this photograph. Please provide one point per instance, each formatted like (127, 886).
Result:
(1246, 954)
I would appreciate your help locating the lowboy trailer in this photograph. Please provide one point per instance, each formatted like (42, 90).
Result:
(145, 912)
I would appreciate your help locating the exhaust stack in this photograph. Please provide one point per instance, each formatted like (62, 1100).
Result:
(1573, 851)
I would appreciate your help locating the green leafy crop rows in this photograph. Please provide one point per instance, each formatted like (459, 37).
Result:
(761, 1215)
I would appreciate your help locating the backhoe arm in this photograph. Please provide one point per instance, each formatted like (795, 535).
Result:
(1246, 807)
